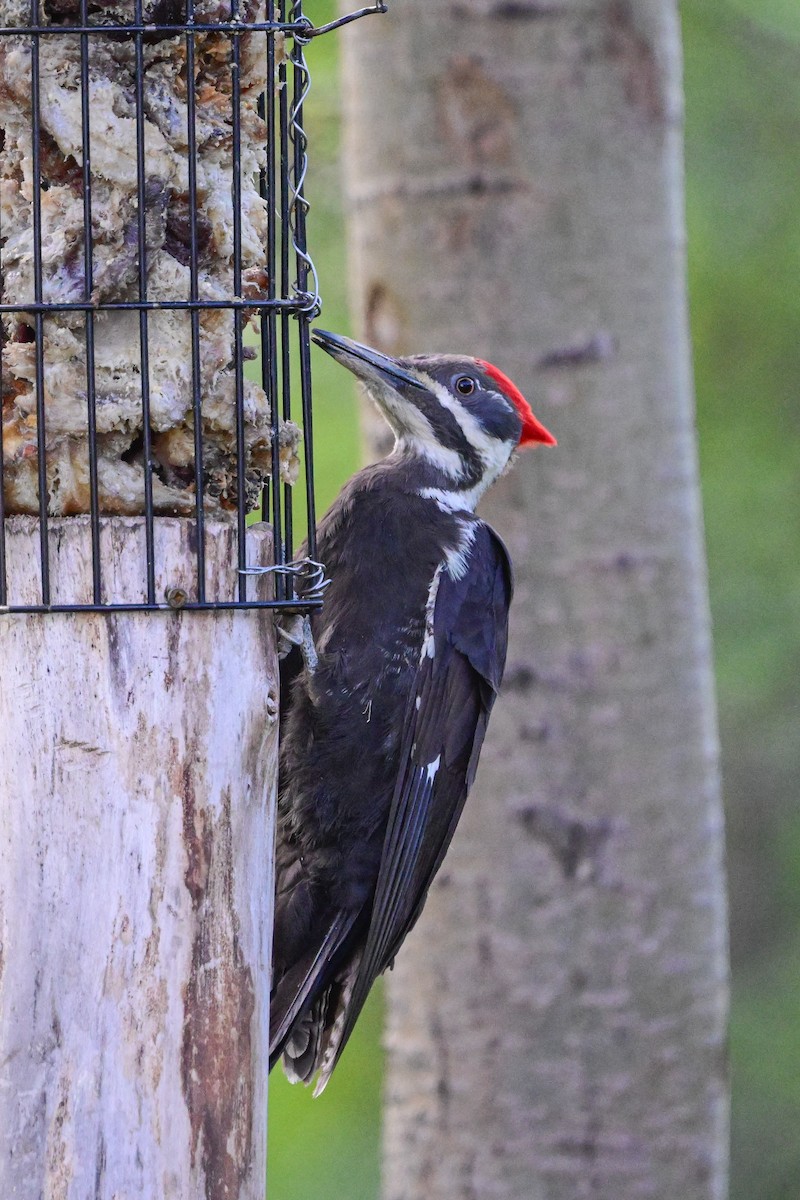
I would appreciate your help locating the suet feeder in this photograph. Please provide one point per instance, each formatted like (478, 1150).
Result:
(157, 289)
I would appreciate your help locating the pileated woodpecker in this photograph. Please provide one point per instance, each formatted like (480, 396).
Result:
(382, 727)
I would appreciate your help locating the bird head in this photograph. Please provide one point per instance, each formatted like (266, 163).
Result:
(461, 415)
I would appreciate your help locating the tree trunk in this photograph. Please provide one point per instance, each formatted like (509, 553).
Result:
(557, 1019)
(138, 760)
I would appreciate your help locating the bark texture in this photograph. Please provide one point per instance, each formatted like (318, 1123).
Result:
(138, 760)
(557, 1019)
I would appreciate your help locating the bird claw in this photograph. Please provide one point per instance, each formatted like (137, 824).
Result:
(296, 632)
(308, 576)
(290, 634)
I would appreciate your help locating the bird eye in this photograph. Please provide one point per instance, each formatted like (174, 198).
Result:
(465, 385)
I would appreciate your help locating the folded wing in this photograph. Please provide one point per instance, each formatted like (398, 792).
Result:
(460, 670)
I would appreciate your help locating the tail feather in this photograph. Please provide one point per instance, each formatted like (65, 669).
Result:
(332, 1040)
(301, 1051)
(298, 991)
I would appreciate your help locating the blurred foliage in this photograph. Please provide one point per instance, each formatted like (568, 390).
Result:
(328, 1148)
(742, 63)
(743, 193)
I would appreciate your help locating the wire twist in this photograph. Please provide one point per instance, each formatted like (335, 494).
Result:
(307, 573)
(309, 297)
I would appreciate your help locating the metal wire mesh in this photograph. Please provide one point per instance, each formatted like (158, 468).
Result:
(214, 60)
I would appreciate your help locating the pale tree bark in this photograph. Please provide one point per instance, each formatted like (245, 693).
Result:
(138, 760)
(557, 1019)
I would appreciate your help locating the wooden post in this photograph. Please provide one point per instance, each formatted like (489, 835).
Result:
(138, 763)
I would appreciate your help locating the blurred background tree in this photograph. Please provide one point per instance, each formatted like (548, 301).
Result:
(557, 1023)
(742, 74)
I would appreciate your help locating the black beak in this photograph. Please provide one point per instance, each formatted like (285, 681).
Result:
(365, 362)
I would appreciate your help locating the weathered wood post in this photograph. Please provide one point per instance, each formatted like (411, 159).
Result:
(153, 229)
(137, 780)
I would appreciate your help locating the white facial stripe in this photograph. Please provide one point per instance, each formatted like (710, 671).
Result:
(494, 452)
(402, 416)
(455, 501)
(448, 461)
(411, 427)
(415, 436)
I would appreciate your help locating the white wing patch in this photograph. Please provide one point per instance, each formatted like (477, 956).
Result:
(428, 645)
(457, 559)
(432, 768)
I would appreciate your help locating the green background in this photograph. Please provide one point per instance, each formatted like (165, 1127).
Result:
(742, 61)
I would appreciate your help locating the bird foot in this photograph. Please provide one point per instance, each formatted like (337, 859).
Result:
(296, 631)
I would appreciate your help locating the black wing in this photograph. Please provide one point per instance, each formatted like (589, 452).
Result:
(459, 674)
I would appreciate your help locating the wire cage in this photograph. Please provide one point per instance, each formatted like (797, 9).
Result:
(152, 246)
